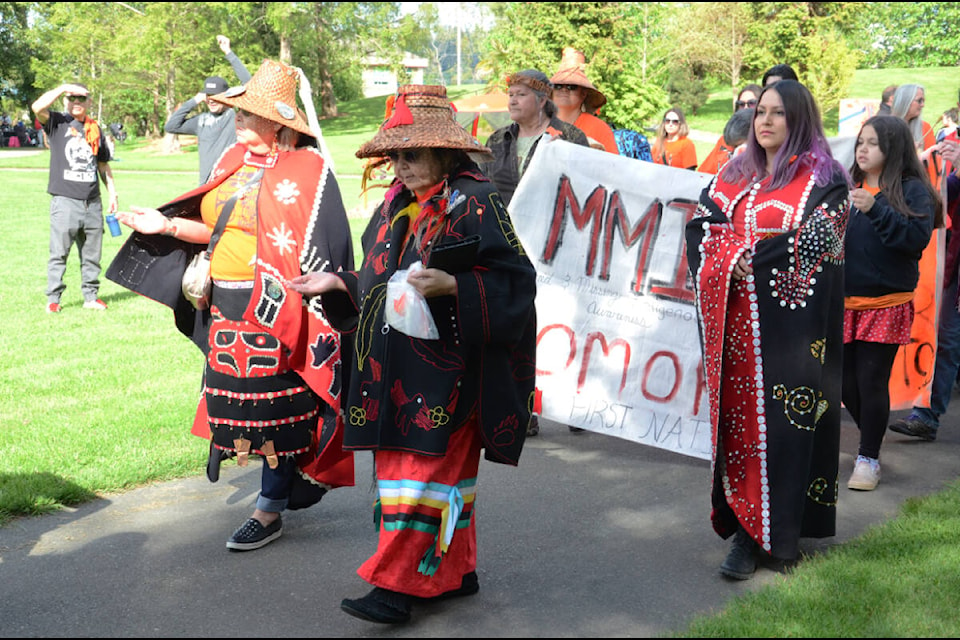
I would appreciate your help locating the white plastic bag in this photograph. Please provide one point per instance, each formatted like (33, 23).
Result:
(407, 311)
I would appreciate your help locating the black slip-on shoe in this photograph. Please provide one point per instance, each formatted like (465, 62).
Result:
(253, 535)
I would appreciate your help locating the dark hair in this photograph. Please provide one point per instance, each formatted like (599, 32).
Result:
(888, 93)
(737, 129)
(900, 162)
(783, 71)
(755, 89)
(805, 140)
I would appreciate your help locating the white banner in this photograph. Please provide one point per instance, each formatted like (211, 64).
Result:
(618, 349)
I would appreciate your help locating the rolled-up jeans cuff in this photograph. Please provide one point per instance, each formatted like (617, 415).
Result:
(271, 505)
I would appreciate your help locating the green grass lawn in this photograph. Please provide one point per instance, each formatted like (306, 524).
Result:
(102, 402)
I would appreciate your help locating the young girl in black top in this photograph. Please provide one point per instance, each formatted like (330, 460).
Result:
(894, 212)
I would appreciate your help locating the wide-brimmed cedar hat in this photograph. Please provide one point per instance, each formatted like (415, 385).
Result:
(422, 118)
(271, 93)
(571, 71)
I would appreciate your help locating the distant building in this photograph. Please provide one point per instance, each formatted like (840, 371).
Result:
(380, 80)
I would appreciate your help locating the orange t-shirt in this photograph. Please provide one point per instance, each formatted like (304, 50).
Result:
(233, 257)
(598, 132)
(680, 153)
(718, 156)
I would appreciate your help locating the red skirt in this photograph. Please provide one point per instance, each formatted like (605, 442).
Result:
(891, 325)
(428, 539)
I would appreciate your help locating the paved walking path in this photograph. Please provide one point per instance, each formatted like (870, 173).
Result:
(591, 536)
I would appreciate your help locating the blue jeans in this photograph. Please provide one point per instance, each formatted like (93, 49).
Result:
(947, 362)
(276, 484)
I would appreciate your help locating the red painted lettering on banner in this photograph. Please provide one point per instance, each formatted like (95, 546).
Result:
(588, 351)
(606, 219)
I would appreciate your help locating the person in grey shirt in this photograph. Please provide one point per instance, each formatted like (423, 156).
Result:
(215, 128)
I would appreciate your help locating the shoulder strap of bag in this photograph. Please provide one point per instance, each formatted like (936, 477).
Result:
(228, 207)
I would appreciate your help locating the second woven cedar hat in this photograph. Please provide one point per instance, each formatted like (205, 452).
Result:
(272, 94)
(571, 72)
(422, 118)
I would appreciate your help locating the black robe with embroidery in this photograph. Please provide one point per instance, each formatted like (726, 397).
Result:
(410, 394)
(773, 347)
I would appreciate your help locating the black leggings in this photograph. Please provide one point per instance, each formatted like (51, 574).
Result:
(866, 390)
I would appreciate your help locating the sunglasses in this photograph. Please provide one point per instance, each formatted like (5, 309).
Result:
(245, 113)
(409, 157)
(672, 120)
(566, 87)
(76, 98)
(749, 103)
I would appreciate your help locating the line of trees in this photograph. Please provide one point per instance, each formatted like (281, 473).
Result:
(142, 58)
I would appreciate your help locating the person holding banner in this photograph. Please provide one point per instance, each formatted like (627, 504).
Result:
(534, 114)
(895, 210)
(924, 422)
(766, 255)
(908, 103)
(427, 405)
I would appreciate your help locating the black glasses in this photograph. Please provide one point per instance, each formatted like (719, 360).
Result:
(566, 87)
(410, 157)
(77, 98)
(745, 103)
(672, 120)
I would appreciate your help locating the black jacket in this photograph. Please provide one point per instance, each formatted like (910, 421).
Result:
(883, 247)
(503, 170)
(410, 394)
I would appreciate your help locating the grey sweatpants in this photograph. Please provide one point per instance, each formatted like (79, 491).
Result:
(81, 222)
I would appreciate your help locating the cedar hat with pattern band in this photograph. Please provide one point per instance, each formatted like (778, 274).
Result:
(571, 72)
(272, 94)
(422, 118)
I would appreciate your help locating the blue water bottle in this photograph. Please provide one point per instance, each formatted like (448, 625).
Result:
(113, 224)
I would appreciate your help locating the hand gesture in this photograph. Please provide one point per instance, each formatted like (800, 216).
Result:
(862, 199)
(224, 43)
(142, 220)
(312, 284)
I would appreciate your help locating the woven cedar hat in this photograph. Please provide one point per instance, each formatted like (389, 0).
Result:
(571, 72)
(270, 93)
(422, 118)
(536, 80)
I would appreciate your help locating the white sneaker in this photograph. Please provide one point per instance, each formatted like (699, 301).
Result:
(866, 474)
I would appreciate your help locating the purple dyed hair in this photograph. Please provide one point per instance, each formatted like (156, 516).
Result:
(805, 141)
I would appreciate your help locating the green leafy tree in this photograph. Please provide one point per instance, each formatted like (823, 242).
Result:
(620, 42)
(18, 47)
(908, 34)
(811, 38)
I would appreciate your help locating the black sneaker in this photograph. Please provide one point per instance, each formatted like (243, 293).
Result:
(380, 605)
(915, 428)
(253, 535)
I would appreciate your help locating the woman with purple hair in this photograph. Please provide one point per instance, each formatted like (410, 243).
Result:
(766, 254)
